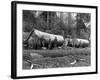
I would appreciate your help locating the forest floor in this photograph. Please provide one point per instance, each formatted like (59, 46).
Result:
(70, 57)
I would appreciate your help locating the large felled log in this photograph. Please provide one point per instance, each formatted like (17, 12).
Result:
(60, 52)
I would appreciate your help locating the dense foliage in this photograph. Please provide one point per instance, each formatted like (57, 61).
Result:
(64, 24)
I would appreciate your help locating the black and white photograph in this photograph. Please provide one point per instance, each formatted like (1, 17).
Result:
(53, 40)
(56, 39)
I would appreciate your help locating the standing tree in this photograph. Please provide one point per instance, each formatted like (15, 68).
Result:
(82, 19)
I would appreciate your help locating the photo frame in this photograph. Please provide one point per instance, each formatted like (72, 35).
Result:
(29, 18)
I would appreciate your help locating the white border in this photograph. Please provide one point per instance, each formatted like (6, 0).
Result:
(36, 72)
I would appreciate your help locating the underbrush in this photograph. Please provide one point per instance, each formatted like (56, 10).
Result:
(39, 59)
